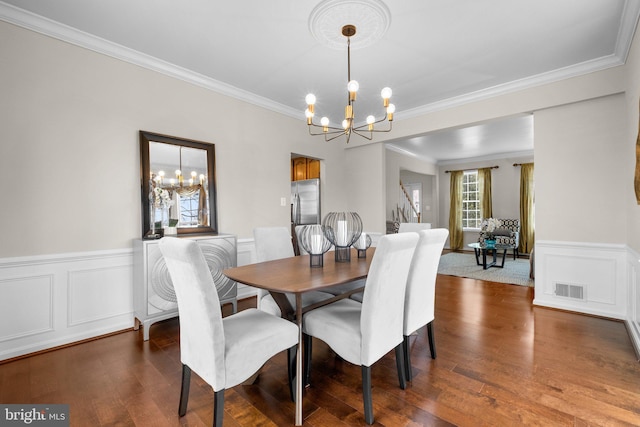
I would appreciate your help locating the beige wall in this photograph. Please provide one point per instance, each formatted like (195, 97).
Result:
(632, 84)
(581, 173)
(70, 154)
(69, 148)
(365, 185)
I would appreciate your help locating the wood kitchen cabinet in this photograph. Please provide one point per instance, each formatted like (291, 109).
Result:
(304, 168)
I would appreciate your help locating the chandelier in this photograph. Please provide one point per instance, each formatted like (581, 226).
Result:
(348, 126)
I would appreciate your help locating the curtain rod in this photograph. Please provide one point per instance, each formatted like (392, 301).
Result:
(520, 164)
(473, 169)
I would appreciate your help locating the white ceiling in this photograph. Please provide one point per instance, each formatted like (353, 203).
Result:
(434, 54)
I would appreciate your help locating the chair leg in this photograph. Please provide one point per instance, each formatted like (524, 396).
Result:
(400, 365)
(366, 394)
(407, 358)
(432, 341)
(307, 341)
(515, 253)
(218, 408)
(184, 390)
(291, 365)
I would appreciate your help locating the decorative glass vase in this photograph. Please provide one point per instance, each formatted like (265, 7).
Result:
(342, 229)
(313, 241)
(490, 243)
(361, 244)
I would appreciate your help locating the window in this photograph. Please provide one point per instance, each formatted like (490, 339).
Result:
(471, 216)
(189, 207)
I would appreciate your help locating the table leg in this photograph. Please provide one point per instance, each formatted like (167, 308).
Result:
(486, 266)
(477, 253)
(504, 255)
(299, 361)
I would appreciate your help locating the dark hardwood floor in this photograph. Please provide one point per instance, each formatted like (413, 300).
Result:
(501, 362)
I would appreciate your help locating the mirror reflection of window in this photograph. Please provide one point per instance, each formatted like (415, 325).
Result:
(189, 210)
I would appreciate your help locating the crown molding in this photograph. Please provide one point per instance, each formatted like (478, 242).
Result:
(48, 27)
(497, 156)
(514, 86)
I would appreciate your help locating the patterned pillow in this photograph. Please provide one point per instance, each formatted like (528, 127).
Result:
(502, 232)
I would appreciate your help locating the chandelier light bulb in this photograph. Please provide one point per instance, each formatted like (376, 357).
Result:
(353, 86)
(309, 115)
(390, 110)
(310, 99)
(370, 121)
(324, 121)
(345, 124)
(385, 94)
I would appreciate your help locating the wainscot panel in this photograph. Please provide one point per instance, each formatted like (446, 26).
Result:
(582, 277)
(633, 300)
(52, 300)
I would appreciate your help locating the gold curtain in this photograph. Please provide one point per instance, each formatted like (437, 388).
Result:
(455, 211)
(189, 191)
(527, 198)
(484, 181)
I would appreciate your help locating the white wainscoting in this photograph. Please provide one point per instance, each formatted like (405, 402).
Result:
(605, 274)
(48, 301)
(52, 300)
(633, 299)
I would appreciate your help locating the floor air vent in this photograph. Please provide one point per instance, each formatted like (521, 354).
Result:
(569, 291)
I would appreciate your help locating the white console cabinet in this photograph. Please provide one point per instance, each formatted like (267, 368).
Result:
(154, 298)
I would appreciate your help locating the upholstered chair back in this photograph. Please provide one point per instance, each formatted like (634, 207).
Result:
(413, 226)
(419, 302)
(272, 243)
(385, 293)
(202, 339)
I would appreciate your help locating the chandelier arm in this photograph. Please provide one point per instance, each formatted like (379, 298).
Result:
(362, 127)
(337, 136)
(336, 131)
(328, 127)
(370, 137)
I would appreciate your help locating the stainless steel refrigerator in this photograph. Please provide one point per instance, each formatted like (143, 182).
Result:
(305, 202)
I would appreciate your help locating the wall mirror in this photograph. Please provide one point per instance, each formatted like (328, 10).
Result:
(177, 181)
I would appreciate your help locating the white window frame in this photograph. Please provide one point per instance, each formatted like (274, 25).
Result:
(468, 198)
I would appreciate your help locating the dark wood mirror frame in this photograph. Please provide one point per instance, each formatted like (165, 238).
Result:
(145, 174)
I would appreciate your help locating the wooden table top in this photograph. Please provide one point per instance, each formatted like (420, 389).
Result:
(295, 275)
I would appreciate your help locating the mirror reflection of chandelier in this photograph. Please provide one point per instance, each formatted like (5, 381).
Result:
(348, 124)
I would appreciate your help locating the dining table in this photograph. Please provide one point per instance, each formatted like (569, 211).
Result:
(294, 275)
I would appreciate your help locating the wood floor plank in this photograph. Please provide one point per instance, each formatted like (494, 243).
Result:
(501, 362)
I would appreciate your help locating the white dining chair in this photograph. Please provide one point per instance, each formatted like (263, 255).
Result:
(406, 227)
(420, 293)
(362, 333)
(224, 352)
(274, 243)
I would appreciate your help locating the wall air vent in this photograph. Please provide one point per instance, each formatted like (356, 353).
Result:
(569, 291)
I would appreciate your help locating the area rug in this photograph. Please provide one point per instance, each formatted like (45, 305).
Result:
(515, 272)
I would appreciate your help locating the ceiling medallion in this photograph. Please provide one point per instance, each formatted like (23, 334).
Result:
(371, 17)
